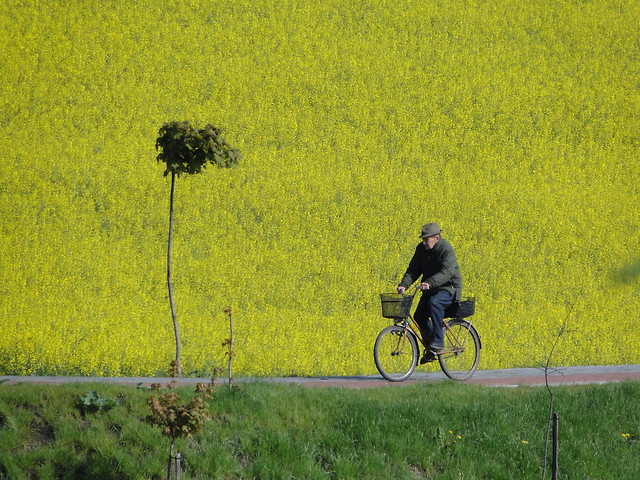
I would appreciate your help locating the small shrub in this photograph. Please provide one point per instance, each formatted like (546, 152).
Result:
(178, 420)
(93, 402)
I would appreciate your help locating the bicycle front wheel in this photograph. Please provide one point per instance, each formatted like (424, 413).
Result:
(461, 355)
(396, 353)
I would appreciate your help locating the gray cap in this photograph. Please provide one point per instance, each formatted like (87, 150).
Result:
(430, 229)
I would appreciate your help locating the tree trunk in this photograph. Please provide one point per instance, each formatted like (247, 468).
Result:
(174, 316)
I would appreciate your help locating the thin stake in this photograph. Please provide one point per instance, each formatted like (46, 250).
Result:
(554, 464)
(178, 466)
(170, 462)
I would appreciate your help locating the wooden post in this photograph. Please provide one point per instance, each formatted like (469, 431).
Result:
(554, 465)
(178, 466)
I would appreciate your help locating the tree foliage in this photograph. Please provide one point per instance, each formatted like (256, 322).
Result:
(177, 419)
(185, 149)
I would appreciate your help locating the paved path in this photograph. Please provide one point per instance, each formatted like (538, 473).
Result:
(504, 378)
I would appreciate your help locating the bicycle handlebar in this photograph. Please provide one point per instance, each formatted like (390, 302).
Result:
(415, 287)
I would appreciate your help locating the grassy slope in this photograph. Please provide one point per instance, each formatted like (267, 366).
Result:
(513, 126)
(436, 431)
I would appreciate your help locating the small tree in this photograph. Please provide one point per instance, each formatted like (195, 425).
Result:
(177, 419)
(187, 150)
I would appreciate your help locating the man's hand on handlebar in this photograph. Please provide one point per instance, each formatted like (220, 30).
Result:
(423, 286)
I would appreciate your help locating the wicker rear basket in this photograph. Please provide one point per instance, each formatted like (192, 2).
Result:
(461, 309)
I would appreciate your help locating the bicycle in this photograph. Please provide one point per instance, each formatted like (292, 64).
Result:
(396, 351)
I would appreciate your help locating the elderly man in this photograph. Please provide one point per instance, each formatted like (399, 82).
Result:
(441, 284)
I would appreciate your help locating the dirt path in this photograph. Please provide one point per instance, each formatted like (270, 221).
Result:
(503, 378)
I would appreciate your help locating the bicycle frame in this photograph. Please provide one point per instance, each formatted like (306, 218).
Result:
(410, 323)
(458, 343)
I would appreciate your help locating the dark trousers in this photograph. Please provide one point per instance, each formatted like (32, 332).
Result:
(430, 314)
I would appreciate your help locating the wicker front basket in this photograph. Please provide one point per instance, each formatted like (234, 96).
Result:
(396, 305)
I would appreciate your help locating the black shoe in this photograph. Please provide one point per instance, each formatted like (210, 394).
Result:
(427, 357)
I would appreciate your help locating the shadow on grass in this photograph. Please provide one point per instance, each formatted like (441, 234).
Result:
(96, 467)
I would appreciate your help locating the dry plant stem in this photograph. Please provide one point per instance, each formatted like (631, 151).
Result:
(547, 367)
(229, 344)
(174, 315)
(230, 348)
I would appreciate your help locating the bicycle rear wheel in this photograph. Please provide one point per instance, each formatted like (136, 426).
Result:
(461, 354)
(396, 353)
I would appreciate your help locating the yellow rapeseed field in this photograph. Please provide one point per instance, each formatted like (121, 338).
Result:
(513, 124)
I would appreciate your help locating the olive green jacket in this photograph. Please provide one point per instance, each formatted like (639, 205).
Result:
(438, 267)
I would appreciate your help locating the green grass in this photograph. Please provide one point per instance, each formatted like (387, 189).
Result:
(262, 430)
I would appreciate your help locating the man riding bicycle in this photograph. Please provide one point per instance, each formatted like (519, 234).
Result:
(441, 285)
